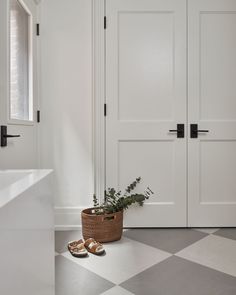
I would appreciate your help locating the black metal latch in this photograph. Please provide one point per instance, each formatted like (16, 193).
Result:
(194, 131)
(179, 130)
(4, 135)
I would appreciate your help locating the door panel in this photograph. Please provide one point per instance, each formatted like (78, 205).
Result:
(146, 97)
(220, 157)
(145, 52)
(20, 152)
(212, 105)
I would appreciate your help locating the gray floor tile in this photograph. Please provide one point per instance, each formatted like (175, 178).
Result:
(73, 279)
(229, 233)
(177, 276)
(170, 240)
(124, 259)
(209, 230)
(213, 251)
(63, 237)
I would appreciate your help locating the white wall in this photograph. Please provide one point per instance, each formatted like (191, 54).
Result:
(66, 103)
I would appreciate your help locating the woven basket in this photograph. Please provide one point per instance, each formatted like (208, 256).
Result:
(103, 228)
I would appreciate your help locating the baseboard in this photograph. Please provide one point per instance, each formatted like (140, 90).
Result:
(68, 218)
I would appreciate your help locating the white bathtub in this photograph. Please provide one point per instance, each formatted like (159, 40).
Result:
(26, 233)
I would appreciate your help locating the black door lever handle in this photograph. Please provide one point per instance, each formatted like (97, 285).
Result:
(4, 135)
(9, 135)
(194, 131)
(179, 130)
(203, 131)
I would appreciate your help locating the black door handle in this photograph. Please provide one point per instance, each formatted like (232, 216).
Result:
(179, 130)
(9, 135)
(4, 135)
(202, 131)
(194, 131)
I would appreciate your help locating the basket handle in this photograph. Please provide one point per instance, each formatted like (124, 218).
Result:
(110, 217)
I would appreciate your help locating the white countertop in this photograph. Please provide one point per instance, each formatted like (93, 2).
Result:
(15, 182)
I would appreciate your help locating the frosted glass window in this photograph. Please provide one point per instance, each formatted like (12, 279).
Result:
(20, 88)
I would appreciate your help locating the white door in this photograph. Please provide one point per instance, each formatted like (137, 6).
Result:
(212, 105)
(18, 78)
(146, 97)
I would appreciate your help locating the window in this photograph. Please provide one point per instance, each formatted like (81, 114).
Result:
(21, 103)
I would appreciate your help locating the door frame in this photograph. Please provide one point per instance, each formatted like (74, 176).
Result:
(35, 68)
(99, 95)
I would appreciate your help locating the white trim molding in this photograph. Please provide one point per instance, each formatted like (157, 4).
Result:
(98, 13)
(67, 218)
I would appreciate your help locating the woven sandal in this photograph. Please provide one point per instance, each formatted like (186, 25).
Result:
(77, 248)
(94, 247)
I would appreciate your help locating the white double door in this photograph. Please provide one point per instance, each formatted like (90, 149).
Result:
(172, 62)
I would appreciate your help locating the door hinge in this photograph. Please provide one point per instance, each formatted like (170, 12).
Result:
(37, 30)
(105, 109)
(105, 22)
(38, 116)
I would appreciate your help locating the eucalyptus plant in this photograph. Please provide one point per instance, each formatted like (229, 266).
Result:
(116, 201)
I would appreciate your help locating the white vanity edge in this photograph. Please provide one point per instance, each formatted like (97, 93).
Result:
(10, 192)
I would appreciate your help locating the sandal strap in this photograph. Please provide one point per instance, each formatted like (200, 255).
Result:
(94, 247)
(78, 249)
(76, 244)
(89, 241)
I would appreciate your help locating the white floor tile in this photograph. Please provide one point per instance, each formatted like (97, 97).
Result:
(123, 260)
(117, 290)
(213, 251)
(207, 230)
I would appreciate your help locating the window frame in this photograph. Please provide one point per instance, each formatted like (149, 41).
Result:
(31, 121)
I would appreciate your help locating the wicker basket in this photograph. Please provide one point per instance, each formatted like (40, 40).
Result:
(103, 228)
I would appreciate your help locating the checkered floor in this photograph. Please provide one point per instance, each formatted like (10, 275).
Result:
(152, 262)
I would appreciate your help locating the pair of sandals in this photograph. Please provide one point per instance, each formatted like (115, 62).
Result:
(81, 248)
